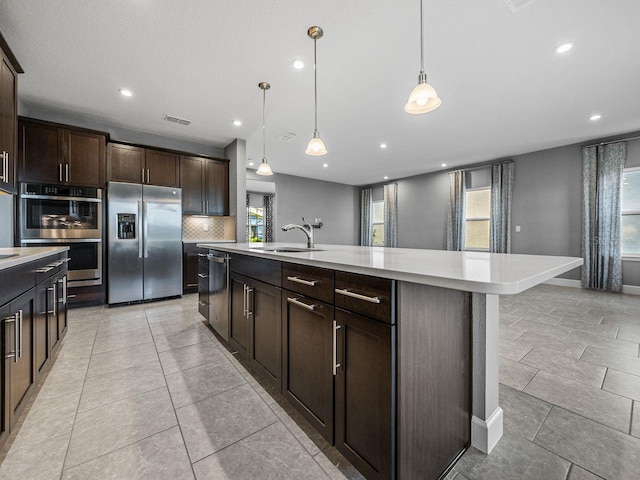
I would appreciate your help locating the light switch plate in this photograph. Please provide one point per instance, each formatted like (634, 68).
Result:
(517, 228)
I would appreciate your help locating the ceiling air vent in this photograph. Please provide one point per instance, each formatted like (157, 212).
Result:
(516, 5)
(286, 135)
(178, 120)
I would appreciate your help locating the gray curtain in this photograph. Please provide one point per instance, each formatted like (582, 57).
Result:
(602, 169)
(246, 232)
(502, 175)
(391, 215)
(456, 218)
(268, 218)
(366, 212)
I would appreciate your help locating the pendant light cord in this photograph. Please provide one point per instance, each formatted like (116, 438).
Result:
(421, 38)
(264, 134)
(315, 84)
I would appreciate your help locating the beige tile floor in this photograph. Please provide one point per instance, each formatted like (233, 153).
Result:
(148, 392)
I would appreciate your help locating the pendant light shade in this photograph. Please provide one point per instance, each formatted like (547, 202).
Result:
(423, 98)
(264, 168)
(315, 147)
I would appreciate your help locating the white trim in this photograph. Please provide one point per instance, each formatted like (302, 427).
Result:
(485, 434)
(629, 257)
(566, 282)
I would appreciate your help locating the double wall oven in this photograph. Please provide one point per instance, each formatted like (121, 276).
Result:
(58, 215)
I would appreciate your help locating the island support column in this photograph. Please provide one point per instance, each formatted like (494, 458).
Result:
(486, 423)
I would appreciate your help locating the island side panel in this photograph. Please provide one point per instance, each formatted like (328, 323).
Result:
(486, 425)
(434, 379)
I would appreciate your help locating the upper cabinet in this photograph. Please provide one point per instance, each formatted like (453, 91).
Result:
(9, 69)
(205, 185)
(128, 163)
(49, 153)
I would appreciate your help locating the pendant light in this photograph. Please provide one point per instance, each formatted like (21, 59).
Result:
(264, 168)
(315, 146)
(423, 98)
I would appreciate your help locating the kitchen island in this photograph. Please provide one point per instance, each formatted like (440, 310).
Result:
(390, 353)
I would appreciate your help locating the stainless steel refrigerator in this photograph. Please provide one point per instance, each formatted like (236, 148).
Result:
(144, 242)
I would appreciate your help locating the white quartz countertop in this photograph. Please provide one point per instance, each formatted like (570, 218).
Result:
(26, 254)
(492, 273)
(207, 241)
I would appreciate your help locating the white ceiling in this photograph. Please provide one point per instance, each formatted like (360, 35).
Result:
(504, 90)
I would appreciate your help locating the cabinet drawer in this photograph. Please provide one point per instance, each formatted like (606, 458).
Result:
(15, 281)
(47, 267)
(370, 296)
(268, 271)
(310, 281)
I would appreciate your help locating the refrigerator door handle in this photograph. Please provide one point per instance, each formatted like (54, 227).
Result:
(139, 229)
(145, 227)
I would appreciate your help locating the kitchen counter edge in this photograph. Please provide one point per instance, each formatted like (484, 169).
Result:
(26, 255)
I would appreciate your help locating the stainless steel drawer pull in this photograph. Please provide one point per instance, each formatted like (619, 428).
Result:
(310, 283)
(55, 264)
(249, 303)
(16, 336)
(44, 269)
(295, 301)
(336, 365)
(347, 293)
(202, 254)
(202, 275)
(65, 260)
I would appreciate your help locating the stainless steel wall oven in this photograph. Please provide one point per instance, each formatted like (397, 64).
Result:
(60, 215)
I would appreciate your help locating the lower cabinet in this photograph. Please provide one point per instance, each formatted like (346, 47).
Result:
(256, 325)
(189, 268)
(308, 357)
(18, 320)
(364, 394)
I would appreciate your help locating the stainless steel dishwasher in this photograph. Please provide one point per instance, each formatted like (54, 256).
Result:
(219, 304)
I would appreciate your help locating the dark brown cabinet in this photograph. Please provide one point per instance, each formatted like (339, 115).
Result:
(364, 393)
(255, 326)
(132, 164)
(190, 268)
(307, 358)
(205, 185)
(56, 154)
(41, 326)
(8, 121)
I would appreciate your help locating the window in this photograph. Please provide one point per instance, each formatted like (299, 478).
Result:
(630, 207)
(478, 218)
(378, 223)
(256, 224)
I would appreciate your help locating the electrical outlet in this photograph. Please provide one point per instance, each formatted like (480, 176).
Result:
(205, 227)
(517, 228)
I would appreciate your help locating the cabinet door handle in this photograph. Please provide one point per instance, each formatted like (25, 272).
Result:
(310, 283)
(20, 335)
(46, 269)
(66, 171)
(5, 167)
(202, 302)
(60, 172)
(336, 365)
(64, 289)
(148, 176)
(202, 275)
(295, 301)
(244, 299)
(249, 292)
(13, 319)
(207, 204)
(202, 254)
(347, 293)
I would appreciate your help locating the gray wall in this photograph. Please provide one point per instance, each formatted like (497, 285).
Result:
(6, 220)
(547, 196)
(336, 204)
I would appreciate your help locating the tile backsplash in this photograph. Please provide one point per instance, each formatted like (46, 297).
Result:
(217, 228)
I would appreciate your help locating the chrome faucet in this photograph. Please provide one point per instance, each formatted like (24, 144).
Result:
(307, 229)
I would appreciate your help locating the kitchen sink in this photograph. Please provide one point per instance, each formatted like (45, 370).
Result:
(289, 249)
(8, 255)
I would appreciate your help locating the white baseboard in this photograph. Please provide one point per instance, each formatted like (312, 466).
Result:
(486, 433)
(566, 282)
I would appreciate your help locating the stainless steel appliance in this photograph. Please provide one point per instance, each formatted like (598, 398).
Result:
(59, 212)
(219, 304)
(85, 254)
(144, 231)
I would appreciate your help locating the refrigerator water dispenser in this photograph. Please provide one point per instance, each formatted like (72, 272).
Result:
(126, 225)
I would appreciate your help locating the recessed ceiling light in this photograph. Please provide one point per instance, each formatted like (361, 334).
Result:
(237, 123)
(298, 63)
(443, 165)
(125, 92)
(564, 48)
(383, 145)
(595, 117)
(325, 165)
(386, 178)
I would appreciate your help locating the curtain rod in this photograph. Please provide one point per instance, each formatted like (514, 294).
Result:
(612, 141)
